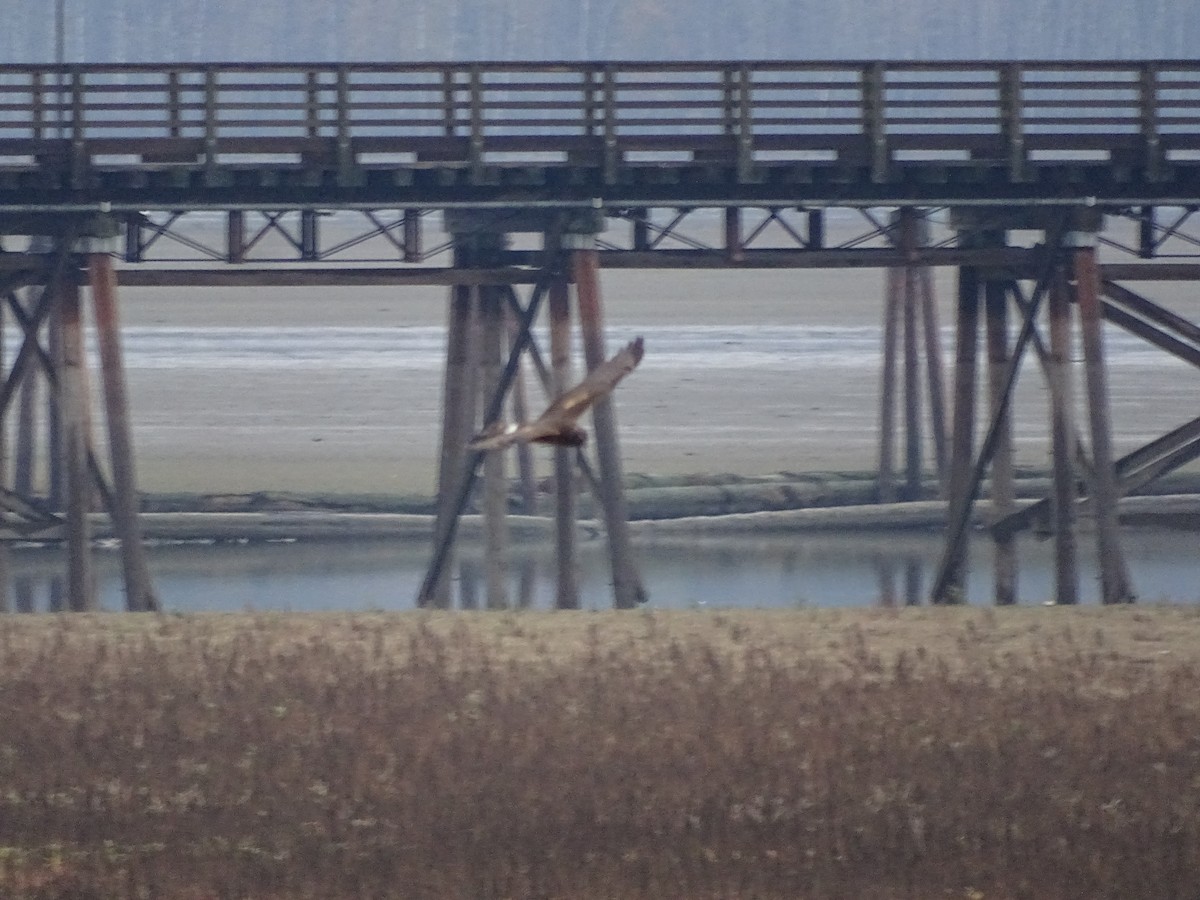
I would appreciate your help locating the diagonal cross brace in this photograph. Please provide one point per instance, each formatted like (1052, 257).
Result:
(33, 323)
(543, 373)
(1135, 470)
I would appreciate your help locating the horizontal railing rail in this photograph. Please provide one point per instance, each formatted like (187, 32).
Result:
(746, 114)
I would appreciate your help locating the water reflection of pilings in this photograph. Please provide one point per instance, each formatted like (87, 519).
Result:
(886, 568)
(470, 575)
(25, 593)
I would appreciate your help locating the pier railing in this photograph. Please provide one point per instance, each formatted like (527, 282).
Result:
(605, 115)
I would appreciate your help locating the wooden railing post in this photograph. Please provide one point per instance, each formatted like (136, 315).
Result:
(874, 121)
(588, 89)
(729, 103)
(79, 156)
(476, 112)
(210, 125)
(312, 104)
(449, 103)
(345, 151)
(745, 127)
(612, 157)
(1148, 102)
(37, 100)
(174, 117)
(1012, 128)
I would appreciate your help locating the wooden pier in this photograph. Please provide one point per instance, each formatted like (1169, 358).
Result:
(502, 180)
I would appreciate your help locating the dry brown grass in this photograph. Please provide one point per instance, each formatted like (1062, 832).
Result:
(915, 753)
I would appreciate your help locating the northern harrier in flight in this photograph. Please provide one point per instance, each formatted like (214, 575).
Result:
(557, 424)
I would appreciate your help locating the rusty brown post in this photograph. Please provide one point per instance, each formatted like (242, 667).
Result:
(963, 438)
(627, 586)
(139, 592)
(495, 481)
(77, 481)
(1003, 484)
(1114, 573)
(1066, 567)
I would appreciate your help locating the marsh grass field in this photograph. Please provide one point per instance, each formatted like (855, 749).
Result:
(1036, 752)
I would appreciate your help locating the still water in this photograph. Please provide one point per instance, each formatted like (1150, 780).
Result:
(842, 569)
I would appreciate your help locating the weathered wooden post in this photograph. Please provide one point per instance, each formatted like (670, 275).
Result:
(458, 416)
(1114, 573)
(1058, 378)
(627, 586)
(566, 595)
(495, 480)
(893, 301)
(912, 361)
(933, 366)
(1003, 483)
(74, 476)
(139, 593)
(570, 252)
(72, 403)
(910, 325)
(962, 441)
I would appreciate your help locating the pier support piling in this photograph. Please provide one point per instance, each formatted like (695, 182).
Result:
(910, 328)
(569, 253)
(962, 441)
(72, 479)
(139, 592)
(1003, 484)
(1058, 376)
(566, 595)
(627, 586)
(1114, 574)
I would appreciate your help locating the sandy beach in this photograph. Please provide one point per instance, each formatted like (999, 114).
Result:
(324, 426)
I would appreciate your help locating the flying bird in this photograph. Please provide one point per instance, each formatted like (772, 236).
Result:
(557, 424)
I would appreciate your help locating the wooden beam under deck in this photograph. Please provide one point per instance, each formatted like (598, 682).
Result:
(1008, 262)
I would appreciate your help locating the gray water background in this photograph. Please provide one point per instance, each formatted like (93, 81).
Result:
(844, 569)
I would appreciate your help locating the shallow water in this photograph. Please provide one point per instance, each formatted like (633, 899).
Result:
(842, 569)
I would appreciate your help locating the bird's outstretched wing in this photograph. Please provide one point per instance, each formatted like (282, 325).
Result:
(499, 435)
(575, 402)
(557, 423)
